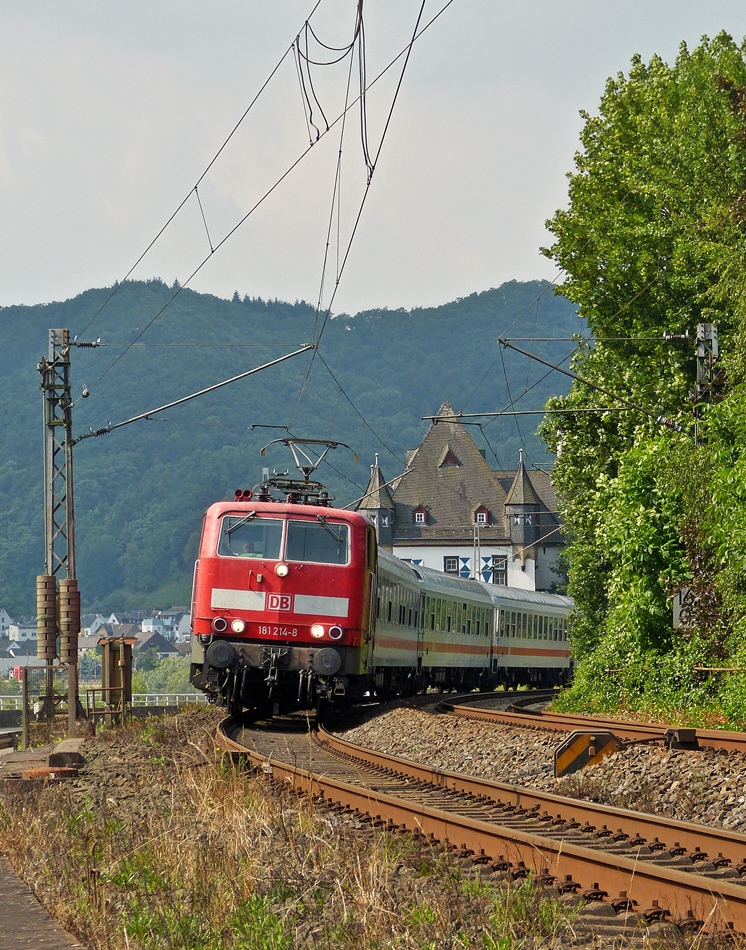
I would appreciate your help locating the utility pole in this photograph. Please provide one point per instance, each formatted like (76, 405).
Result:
(709, 375)
(58, 610)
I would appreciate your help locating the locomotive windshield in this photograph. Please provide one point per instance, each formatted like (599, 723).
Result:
(322, 542)
(249, 536)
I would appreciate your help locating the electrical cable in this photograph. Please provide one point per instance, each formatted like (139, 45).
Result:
(204, 219)
(661, 420)
(551, 284)
(366, 192)
(177, 402)
(138, 345)
(533, 386)
(404, 52)
(512, 401)
(199, 180)
(358, 413)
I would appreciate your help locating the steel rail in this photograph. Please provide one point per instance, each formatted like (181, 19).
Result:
(717, 902)
(566, 722)
(671, 831)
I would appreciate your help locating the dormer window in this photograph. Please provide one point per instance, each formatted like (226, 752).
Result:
(449, 459)
(481, 515)
(420, 515)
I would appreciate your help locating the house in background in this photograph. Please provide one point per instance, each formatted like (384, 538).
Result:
(90, 624)
(173, 624)
(451, 512)
(5, 622)
(23, 630)
(152, 640)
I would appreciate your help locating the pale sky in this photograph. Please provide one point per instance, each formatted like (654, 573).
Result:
(110, 111)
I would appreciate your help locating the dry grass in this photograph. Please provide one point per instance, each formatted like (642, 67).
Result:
(219, 858)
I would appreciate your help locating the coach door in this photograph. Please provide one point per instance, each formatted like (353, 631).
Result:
(495, 634)
(369, 618)
(420, 632)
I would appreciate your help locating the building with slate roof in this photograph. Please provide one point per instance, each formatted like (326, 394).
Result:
(450, 511)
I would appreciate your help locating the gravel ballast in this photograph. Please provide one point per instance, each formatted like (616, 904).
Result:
(705, 786)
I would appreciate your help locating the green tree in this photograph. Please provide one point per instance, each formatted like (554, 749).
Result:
(652, 243)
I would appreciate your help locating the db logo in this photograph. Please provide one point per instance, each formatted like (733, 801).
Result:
(279, 602)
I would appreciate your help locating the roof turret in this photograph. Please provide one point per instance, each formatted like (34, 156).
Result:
(522, 491)
(377, 494)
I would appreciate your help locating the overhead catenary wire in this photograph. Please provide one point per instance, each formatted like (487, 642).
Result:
(186, 198)
(660, 419)
(357, 412)
(512, 402)
(104, 430)
(371, 166)
(551, 284)
(404, 52)
(371, 170)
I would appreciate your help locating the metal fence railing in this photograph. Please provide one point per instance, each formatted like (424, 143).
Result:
(138, 699)
(167, 699)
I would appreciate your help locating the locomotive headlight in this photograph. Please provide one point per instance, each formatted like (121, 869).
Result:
(220, 625)
(317, 630)
(238, 626)
(335, 632)
(282, 570)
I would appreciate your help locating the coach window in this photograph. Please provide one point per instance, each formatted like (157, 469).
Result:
(321, 542)
(249, 536)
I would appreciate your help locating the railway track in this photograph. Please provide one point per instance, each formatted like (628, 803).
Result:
(477, 707)
(642, 867)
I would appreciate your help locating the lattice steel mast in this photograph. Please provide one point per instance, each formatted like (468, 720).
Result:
(59, 510)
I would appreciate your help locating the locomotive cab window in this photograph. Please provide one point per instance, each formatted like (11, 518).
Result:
(249, 536)
(321, 542)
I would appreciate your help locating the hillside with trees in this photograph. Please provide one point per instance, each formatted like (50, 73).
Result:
(140, 492)
(654, 242)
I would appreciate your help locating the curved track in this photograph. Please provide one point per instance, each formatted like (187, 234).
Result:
(565, 722)
(633, 859)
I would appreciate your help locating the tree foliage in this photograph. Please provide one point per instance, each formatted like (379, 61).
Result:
(653, 243)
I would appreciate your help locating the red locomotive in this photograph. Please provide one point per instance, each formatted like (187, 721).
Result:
(281, 611)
